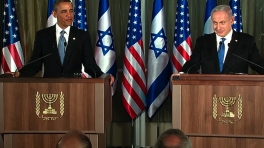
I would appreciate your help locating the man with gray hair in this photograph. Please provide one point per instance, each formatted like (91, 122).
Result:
(173, 138)
(225, 51)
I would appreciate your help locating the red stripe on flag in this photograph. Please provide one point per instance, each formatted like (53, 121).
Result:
(135, 75)
(183, 52)
(4, 65)
(189, 42)
(133, 93)
(176, 64)
(128, 108)
(138, 58)
(14, 53)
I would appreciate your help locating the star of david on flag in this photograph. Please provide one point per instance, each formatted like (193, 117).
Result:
(161, 38)
(159, 68)
(104, 50)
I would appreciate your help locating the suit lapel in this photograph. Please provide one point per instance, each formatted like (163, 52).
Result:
(55, 45)
(213, 49)
(231, 49)
(71, 45)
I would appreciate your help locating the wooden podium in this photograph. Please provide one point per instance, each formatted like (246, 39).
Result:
(36, 112)
(220, 111)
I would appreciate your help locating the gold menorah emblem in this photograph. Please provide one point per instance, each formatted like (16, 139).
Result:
(49, 99)
(228, 116)
(227, 102)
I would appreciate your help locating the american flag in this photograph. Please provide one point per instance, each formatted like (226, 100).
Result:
(236, 10)
(208, 24)
(80, 21)
(104, 49)
(134, 79)
(159, 68)
(51, 20)
(12, 56)
(182, 46)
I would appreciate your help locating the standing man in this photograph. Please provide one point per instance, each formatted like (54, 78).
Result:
(224, 51)
(64, 48)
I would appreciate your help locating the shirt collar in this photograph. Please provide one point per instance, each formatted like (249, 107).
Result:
(67, 30)
(228, 37)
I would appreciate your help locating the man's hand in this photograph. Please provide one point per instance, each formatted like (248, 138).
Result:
(112, 79)
(14, 74)
(176, 74)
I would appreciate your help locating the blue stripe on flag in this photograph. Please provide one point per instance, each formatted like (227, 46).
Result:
(50, 7)
(208, 27)
(159, 68)
(104, 5)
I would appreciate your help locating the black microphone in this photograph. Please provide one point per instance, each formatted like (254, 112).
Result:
(35, 60)
(247, 61)
(220, 44)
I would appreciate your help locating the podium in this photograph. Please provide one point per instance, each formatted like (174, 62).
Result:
(219, 111)
(37, 112)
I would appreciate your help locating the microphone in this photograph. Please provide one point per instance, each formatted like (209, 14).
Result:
(220, 44)
(65, 46)
(35, 61)
(248, 61)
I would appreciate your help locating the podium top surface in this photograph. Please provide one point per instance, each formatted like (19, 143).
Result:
(218, 79)
(103, 78)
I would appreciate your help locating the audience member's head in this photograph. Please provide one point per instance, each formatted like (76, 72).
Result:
(173, 138)
(74, 139)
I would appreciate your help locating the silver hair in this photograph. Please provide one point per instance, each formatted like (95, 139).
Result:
(225, 8)
(184, 140)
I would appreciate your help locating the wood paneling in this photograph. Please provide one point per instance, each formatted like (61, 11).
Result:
(197, 95)
(82, 104)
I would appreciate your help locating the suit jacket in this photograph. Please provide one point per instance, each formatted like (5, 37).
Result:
(205, 55)
(78, 51)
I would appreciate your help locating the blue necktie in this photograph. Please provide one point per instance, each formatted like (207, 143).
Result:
(221, 54)
(61, 45)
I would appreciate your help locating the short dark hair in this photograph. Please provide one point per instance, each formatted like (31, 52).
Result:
(57, 2)
(184, 140)
(84, 140)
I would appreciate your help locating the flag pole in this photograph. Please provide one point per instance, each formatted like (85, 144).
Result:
(158, 123)
(132, 134)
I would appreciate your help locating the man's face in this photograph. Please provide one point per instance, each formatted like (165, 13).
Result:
(171, 141)
(222, 23)
(64, 14)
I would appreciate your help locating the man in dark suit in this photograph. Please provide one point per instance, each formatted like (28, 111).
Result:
(221, 51)
(76, 48)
